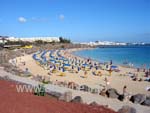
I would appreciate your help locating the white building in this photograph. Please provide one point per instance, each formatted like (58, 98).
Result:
(32, 39)
(97, 43)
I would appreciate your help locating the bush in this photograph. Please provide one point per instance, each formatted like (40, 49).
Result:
(40, 90)
(63, 40)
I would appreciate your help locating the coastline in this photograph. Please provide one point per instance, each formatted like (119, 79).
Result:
(129, 63)
(122, 73)
(92, 81)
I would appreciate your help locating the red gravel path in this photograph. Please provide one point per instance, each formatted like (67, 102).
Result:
(13, 102)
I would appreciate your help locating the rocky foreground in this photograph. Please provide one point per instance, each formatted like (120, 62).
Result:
(14, 102)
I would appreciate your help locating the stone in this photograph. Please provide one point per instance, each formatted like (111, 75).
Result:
(112, 93)
(146, 102)
(127, 109)
(121, 97)
(77, 99)
(54, 94)
(138, 98)
(93, 104)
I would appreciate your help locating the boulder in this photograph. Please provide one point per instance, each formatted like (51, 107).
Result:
(77, 99)
(138, 98)
(121, 97)
(127, 109)
(112, 93)
(4, 77)
(146, 102)
(54, 94)
(93, 104)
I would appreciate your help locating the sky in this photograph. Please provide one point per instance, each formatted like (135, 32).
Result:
(78, 20)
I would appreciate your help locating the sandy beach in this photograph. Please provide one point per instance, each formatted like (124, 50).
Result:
(87, 97)
(75, 56)
(117, 79)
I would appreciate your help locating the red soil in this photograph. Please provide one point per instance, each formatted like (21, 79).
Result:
(13, 102)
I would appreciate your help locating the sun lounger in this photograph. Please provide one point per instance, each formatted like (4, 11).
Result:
(62, 74)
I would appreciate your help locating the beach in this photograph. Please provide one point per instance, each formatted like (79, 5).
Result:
(59, 71)
(75, 56)
(117, 79)
(53, 75)
(87, 97)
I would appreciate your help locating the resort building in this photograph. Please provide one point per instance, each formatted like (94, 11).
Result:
(98, 43)
(32, 39)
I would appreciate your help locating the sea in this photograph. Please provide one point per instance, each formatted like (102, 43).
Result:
(138, 56)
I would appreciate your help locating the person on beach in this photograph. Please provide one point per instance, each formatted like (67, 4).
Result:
(110, 71)
(146, 74)
(124, 90)
(78, 68)
(107, 66)
(125, 93)
(107, 83)
(24, 63)
(110, 62)
(85, 74)
(138, 69)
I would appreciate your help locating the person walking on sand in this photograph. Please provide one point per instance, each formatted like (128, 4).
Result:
(125, 93)
(85, 74)
(124, 90)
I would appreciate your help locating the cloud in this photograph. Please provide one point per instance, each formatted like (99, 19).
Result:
(22, 19)
(61, 17)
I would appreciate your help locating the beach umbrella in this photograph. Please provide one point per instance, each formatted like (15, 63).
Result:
(35, 57)
(84, 65)
(60, 59)
(66, 64)
(114, 67)
(53, 61)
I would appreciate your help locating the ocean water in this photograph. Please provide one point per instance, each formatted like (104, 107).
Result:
(137, 55)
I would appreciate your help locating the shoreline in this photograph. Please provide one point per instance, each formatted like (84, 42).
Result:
(94, 60)
(103, 61)
(70, 52)
(92, 81)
